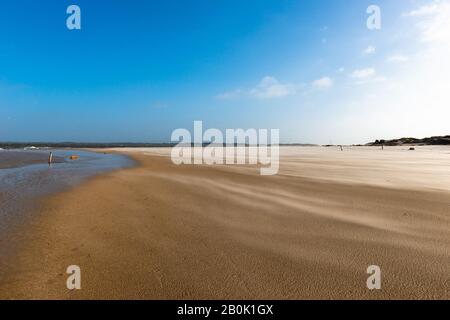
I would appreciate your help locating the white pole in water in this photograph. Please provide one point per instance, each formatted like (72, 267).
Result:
(50, 158)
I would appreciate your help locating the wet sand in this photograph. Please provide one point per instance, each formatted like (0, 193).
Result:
(162, 231)
(26, 177)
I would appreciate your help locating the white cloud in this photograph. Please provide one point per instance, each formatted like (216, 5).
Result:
(422, 11)
(323, 83)
(270, 88)
(230, 95)
(415, 100)
(365, 76)
(369, 50)
(363, 73)
(397, 58)
(433, 21)
(435, 28)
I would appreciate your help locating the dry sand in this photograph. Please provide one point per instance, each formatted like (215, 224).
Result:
(161, 231)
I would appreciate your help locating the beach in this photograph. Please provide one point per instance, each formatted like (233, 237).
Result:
(161, 231)
(26, 177)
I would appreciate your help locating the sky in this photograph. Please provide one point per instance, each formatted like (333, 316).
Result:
(139, 69)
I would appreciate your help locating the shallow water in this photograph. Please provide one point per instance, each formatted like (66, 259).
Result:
(19, 158)
(31, 179)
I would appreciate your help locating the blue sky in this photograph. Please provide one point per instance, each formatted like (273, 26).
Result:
(139, 69)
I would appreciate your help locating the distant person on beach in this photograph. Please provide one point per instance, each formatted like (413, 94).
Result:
(50, 158)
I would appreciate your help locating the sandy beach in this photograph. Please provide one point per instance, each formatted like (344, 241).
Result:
(161, 231)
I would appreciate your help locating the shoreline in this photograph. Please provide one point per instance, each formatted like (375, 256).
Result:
(157, 231)
(21, 197)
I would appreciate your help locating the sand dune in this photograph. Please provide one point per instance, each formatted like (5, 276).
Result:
(225, 232)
